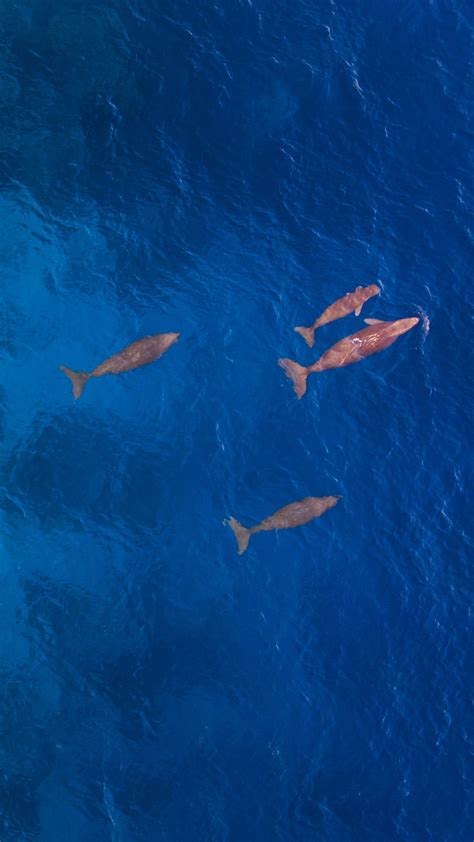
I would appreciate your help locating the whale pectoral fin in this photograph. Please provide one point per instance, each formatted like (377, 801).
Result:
(358, 310)
(374, 321)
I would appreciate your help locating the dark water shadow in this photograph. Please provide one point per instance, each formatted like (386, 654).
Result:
(27, 753)
(81, 471)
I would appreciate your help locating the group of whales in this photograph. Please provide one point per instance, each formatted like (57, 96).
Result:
(372, 339)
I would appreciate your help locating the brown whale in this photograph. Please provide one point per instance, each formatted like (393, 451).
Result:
(378, 336)
(295, 514)
(143, 352)
(351, 302)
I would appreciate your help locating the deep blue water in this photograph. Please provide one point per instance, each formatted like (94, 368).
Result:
(228, 170)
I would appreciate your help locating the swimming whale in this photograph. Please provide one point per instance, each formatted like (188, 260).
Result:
(139, 353)
(295, 514)
(351, 302)
(370, 340)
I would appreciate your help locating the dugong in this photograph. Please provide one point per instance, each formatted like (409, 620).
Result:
(295, 514)
(351, 302)
(139, 353)
(370, 340)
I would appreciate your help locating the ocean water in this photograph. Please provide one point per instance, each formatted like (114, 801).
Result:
(228, 169)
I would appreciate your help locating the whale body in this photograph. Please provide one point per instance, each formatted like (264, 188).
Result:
(295, 514)
(351, 302)
(142, 352)
(352, 349)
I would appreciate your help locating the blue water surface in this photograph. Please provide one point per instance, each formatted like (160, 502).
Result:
(227, 169)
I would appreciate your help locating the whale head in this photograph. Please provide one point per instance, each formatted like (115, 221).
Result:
(404, 325)
(332, 500)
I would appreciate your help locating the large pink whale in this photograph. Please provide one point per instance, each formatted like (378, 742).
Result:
(142, 352)
(378, 336)
(295, 514)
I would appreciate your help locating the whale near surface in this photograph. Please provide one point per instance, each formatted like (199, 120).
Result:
(142, 352)
(378, 336)
(229, 170)
(290, 516)
(351, 302)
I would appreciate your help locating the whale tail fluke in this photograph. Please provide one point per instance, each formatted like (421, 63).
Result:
(297, 374)
(242, 534)
(307, 333)
(77, 378)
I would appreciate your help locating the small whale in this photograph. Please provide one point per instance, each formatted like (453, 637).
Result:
(370, 340)
(351, 302)
(295, 514)
(139, 353)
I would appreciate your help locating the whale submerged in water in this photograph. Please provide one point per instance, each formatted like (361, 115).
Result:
(139, 353)
(351, 302)
(378, 336)
(295, 514)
